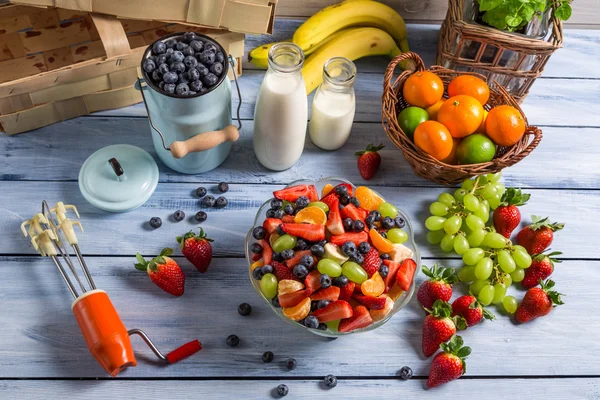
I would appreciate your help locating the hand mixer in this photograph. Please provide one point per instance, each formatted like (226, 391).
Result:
(104, 332)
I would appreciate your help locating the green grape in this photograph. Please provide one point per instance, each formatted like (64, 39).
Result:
(482, 180)
(473, 256)
(485, 207)
(517, 275)
(480, 212)
(447, 243)
(494, 202)
(268, 286)
(494, 177)
(499, 293)
(452, 224)
(505, 261)
(466, 274)
(461, 244)
(397, 235)
(388, 210)
(434, 223)
(475, 238)
(474, 222)
(447, 199)
(510, 304)
(435, 237)
(476, 286)
(521, 257)
(354, 272)
(468, 184)
(484, 268)
(285, 242)
(501, 188)
(329, 267)
(494, 240)
(438, 209)
(459, 194)
(486, 295)
(319, 204)
(471, 202)
(489, 191)
(506, 278)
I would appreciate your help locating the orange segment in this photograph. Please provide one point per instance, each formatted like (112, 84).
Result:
(326, 190)
(288, 286)
(381, 243)
(378, 315)
(299, 311)
(374, 286)
(259, 263)
(395, 292)
(369, 200)
(311, 215)
(434, 109)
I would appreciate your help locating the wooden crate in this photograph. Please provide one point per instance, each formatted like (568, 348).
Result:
(56, 64)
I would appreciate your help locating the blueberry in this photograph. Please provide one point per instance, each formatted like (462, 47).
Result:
(181, 45)
(330, 381)
(207, 57)
(190, 62)
(317, 250)
(348, 224)
(344, 199)
(202, 70)
(384, 270)
(267, 269)
(357, 258)
(169, 52)
(188, 37)
(259, 233)
(322, 304)
(282, 390)
(400, 222)
(376, 215)
(311, 322)
(275, 302)
(216, 68)
(325, 281)
(176, 56)
(183, 78)
(301, 244)
(182, 89)
(223, 187)
(153, 58)
(201, 216)
(307, 260)
(383, 234)
(244, 309)
(288, 209)
(385, 256)
(267, 356)
(340, 281)
(169, 87)
(270, 213)
(290, 363)
(287, 254)
(358, 226)
(300, 271)
(370, 220)
(170, 77)
(156, 75)
(149, 65)
(405, 373)
(161, 85)
(196, 45)
(355, 201)
(302, 202)
(341, 190)
(162, 59)
(201, 191)
(279, 214)
(232, 340)
(221, 202)
(276, 204)
(256, 248)
(219, 57)
(258, 274)
(209, 201)
(158, 48)
(210, 79)
(188, 52)
(177, 67)
(155, 222)
(179, 215)
(171, 43)
(322, 327)
(349, 248)
(163, 68)
(210, 47)
(388, 223)
(364, 247)
(195, 85)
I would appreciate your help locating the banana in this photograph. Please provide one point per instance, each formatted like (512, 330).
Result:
(351, 13)
(353, 44)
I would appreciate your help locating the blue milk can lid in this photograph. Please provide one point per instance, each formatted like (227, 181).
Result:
(118, 178)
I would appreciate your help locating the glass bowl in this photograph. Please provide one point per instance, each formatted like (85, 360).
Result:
(400, 303)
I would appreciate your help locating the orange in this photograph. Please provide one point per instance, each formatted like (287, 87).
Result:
(423, 89)
(451, 159)
(461, 114)
(286, 286)
(481, 128)
(374, 286)
(434, 109)
(298, 312)
(369, 200)
(434, 139)
(326, 190)
(311, 215)
(382, 244)
(378, 315)
(471, 86)
(257, 264)
(505, 125)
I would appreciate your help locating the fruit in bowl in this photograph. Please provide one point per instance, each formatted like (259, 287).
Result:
(331, 257)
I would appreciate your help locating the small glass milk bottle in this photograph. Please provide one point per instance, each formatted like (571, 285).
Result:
(281, 113)
(333, 105)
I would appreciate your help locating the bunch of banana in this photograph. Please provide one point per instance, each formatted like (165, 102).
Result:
(351, 29)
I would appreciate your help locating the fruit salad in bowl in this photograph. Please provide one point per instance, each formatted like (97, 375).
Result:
(331, 257)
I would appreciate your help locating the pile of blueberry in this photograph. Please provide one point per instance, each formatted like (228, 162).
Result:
(185, 65)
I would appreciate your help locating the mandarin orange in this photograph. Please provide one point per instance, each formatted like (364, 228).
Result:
(461, 114)
(423, 89)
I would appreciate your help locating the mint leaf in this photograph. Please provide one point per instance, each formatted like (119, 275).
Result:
(512, 20)
(486, 5)
(564, 11)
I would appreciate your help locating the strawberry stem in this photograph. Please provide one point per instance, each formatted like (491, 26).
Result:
(370, 149)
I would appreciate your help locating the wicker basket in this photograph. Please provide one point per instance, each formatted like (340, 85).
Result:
(58, 64)
(422, 163)
(511, 59)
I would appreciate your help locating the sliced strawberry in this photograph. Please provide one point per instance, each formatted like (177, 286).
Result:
(348, 186)
(391, 276)
(339, 309)
(334, 220)
(357, 289)
(356, 237)
(294, 298)
(310, 232)
(372, 262)
(292, 193)
(313, 281)
(332, 293)
(313, 195)
(271, 225)
(350, 211)
(373, 303)
(405, 273)
(267, 253)
(347, 291)
(360, 319)
(292, 262)
(256, 257)
(288, 219)
(329, 199)
(282, 272)
(363, 213)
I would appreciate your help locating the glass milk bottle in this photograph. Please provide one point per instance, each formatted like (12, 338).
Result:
(333, 105)
(281, 113)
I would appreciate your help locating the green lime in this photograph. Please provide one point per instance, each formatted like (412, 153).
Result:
(475, 149)
(410, 118)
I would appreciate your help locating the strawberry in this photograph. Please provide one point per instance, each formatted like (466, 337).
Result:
(449, 364)
(292, 262)
(256, 257)
(294, 298)
(288, 219)
(469, 308)
(438, 287)
(332, 293)
(369, 161)
(271, 224)
(313, 195)
(360, 318)
(373, 303)
(405, 273)
(350, 211)
(282, 272)
(356, 237)
(338, 309)
(390, 279)
(334, 220)
(197, 249)
(538, 236)
(371, 262)
(538, 301)
(542, 266)
(267, 253)
(439, 327)
(292, 194)
(310, 232)
(163, 271)
(313, 281)
(330, 199)
(507, 216)
(347, 291)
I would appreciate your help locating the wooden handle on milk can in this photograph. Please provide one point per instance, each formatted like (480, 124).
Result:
(204, 141)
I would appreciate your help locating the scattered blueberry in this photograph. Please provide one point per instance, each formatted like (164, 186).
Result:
(357, 258)
(244, 309)
(288, 209)
(163, 69)
(276, 204)
(280, 231)
(301, 244)
(270, 213)
(257, 274)
(179, 215)
(354, 201)
(275, 302)
(340, 281)
(348, 224)
(196, 45)
(330, 381)
(311, 322)
(156, 75)
(307, 260)
(279, 213)
(325, 281)
(259, 233)
(149, 65)
(277, 257)
(155, 222)
(207, 57)
(300, 271)
(405, 373)
(188, 37)
(182, 89)
(317, 250)
(233, 340)
(202, 70)
(181, 45)
(358, 226)
(201, 216)
(219, 57)
(195, 85)
(282, 390)
(210, 79)
(370, 220)
(322, 304)
(177, 67)
(388, 223)
(385, 256)
(287, 254)
(341, 190)
(302, 202)
(209, 201)
(159, 48)
(376, 215)
(267, 269)
(169, 87)
(170, 77)
(256, 248)
(400, 222)
(290, 363)
(210, 47)
(171, 43)
(344, 199)
(349, 248)
(190, 62)
(188, 52)
(216, 68)
(267, 356)
(221, 202)
(383, 234)
(384, 270)
(161, 59)
(322, 327)
(364, 247)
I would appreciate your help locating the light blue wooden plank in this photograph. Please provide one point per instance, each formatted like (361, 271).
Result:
(128, 233)
(40, 337)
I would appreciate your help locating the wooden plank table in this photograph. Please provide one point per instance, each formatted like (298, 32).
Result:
(43, 354)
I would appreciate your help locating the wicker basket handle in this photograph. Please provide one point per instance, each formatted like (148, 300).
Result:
(410, 59)
(112, 35)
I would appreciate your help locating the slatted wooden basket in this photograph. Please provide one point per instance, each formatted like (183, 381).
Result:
(422, 163)
(57, 64)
